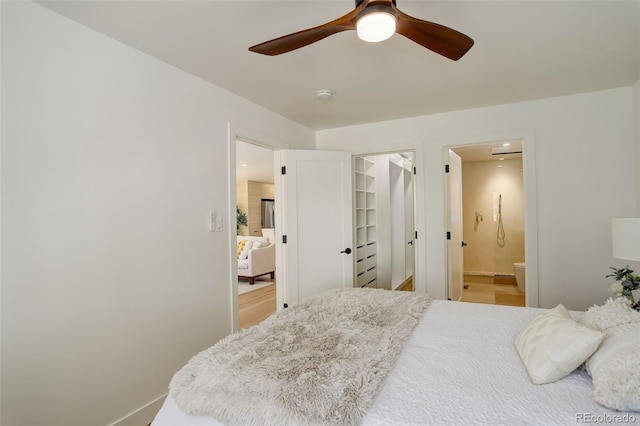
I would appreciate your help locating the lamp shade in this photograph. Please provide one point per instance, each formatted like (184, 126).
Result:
(625, 233)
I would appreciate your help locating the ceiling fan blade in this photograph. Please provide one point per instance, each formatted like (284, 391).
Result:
(438, 38)
(303, 38)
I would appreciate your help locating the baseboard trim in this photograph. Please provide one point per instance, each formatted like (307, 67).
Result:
(488, 274)
(142, 416)
(479, 273)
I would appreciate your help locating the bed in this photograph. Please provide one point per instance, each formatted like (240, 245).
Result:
(456, 364)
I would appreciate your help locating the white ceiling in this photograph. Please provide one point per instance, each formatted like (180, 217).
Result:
(523, 50)
(254, 163)
(485, 152)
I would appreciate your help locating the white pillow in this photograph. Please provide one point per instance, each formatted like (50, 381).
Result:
(245, 251)
(615, 367)
(615, 371)
(613, 313)
(263, 242)
(554, 345)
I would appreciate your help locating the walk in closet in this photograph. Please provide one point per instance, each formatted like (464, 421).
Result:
(384, 220)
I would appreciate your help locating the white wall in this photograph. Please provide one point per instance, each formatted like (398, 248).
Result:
(110, 161)
(585, 158)
(636, 113)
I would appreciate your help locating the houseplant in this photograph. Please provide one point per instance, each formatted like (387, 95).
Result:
(241, 218)
(625, 281)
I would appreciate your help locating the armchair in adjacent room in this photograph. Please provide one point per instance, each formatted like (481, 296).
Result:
(256, 257)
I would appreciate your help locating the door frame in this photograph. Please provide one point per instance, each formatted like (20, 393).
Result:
(235, 133)
(532, 297)
(453, 243)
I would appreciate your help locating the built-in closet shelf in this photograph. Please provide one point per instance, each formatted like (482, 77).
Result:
(365, 222)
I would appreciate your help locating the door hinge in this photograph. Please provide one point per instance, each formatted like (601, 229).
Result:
(283, 170)
(416, 237)
(414, 170)
(446, 168)
(284, 239)
(286, 305)
(448, 235)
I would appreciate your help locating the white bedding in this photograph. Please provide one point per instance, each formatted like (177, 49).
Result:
(460, 366)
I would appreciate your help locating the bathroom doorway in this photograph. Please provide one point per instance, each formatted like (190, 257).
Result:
(492, 224)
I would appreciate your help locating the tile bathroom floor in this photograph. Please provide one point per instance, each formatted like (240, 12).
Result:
(492, 290)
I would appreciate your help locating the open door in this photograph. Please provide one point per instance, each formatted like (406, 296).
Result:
(401, 205)
(410, 227)
(316, 236)
(455, 258)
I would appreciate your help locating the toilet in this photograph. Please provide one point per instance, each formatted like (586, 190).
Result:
(519, 270)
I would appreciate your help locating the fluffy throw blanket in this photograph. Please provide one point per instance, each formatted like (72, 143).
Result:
(317, 363)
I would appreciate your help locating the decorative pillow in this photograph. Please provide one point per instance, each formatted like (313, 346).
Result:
(554, 345)
(615, 370)
(245, 251)
(613, 313)
(240, 247)
(615, 367)
(263, 242)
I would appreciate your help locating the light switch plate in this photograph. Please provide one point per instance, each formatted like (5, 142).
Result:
(213, 217)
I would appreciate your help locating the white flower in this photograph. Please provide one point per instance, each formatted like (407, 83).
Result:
(616, 288)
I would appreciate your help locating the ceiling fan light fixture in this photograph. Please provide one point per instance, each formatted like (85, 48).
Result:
(375, 20)
(376, 26)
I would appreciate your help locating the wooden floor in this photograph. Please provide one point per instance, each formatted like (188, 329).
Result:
(256, 305)
(492, 290)
(407, 285)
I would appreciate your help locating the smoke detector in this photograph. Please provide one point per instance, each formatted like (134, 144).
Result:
(324, 94)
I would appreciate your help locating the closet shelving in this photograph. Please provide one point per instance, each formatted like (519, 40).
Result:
(365, 219)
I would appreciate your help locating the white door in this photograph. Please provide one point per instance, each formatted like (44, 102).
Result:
(398, 224)
(455, 255)
(410, 228)
(317, 221)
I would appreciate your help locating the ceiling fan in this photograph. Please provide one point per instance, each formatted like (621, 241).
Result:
(376, 20)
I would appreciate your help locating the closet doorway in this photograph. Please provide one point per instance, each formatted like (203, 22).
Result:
(255, 196)
(384, 218)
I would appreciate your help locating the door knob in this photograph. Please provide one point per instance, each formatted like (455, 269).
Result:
(464, 244)
(347, 251)
(410, 243)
